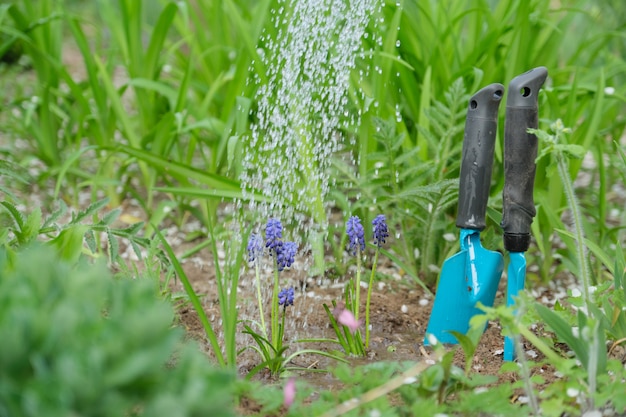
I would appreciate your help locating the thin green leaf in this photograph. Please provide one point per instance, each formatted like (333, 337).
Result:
(180, 170)
(159, 34)
(195, 301)
(211, 194)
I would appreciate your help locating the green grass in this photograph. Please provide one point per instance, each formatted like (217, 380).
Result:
(159, 98)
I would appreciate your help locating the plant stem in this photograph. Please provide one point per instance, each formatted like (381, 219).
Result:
(357, 285)
(367, 303)
(521, 359)
(274, 311)
(592, 367)
(581, 249)
(259, 298)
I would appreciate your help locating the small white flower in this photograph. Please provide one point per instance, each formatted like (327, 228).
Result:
(404, 308)
(576, 292)
(432, 339)
(609, 91)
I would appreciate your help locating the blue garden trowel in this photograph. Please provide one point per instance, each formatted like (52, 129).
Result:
(520, 152)
(472, 275)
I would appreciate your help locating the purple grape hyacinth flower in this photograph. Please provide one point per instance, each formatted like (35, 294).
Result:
(381, 232)
(273, 234)
(285, 255)
(255, 247)
(285, 297)
(356, 235)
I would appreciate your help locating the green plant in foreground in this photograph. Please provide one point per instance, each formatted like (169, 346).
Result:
(76, 341)
(399, 388)
(589, 380)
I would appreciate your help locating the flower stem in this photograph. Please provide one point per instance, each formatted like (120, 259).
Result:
(357, 285)
(274, 311)
(367, 303)
(259, 298)
(581, 250)
(281, 332)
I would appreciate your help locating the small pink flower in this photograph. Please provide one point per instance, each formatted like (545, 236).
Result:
(289, 392)
(346, 318)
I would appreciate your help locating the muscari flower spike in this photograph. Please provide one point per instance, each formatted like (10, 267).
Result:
(356, 235)
(285, 255)
(255, 247)
(285, 297)
(381, 232)
(273, 234)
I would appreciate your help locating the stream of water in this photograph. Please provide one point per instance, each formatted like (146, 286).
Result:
(304, 107)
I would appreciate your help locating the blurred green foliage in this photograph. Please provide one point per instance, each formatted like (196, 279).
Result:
(76, 341)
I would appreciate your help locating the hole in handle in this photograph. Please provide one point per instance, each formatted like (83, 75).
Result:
(525, 91)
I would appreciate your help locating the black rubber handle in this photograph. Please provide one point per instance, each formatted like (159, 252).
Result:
(478, 144)
(520, 152)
